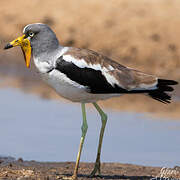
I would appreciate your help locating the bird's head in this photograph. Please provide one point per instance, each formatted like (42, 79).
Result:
(36, 39)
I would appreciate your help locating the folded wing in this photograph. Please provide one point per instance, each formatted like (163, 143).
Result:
(101, 75)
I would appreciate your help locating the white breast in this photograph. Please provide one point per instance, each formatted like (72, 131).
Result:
(64, 86)
(70, 89)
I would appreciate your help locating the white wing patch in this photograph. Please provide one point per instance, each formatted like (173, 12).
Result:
(111, 79)
(81, 63)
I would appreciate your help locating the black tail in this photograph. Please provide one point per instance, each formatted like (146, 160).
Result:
(161, 94)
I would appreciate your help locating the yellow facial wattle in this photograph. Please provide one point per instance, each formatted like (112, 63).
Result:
(25, 46)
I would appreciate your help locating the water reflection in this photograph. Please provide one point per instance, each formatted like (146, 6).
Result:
(49, 130)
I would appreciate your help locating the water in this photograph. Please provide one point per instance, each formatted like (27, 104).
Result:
(49, 130)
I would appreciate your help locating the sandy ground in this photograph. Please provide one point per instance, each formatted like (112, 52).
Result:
(30, 170)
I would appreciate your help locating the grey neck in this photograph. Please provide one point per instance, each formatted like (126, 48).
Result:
(49, 55)
(45, 46)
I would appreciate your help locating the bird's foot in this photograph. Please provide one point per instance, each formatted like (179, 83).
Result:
(96, 169)
(69, 177)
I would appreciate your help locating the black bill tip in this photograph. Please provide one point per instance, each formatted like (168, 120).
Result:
(8, 46)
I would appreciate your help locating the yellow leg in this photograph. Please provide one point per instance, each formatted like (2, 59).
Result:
(84, 128)
(104, 120)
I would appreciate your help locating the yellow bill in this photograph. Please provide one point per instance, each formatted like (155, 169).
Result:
(25, 46)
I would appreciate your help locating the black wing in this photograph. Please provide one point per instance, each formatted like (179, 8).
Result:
(93, 79)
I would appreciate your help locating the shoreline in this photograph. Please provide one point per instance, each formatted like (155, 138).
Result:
(20, 169)
(23, 170)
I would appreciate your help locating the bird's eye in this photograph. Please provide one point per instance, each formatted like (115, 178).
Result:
(31, 34)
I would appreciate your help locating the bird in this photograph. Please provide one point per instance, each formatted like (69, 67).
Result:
(85, 76)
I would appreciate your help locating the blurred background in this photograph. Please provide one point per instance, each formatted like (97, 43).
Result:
(140, 34)
(137, 33)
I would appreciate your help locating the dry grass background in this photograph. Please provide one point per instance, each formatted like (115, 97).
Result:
(142, 34)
